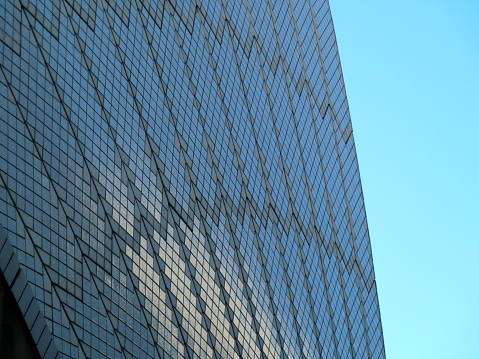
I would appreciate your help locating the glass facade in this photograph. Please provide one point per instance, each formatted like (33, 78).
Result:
(179, 179)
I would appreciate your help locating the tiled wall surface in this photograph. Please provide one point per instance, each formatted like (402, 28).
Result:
(179, 179)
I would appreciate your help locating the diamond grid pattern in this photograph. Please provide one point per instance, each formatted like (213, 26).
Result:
(180, 180)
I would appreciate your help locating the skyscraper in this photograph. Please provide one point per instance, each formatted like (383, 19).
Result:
(179, 179)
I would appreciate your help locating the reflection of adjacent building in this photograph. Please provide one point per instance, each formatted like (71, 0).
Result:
(179, 179)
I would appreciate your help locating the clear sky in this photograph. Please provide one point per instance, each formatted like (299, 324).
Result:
(411, 70)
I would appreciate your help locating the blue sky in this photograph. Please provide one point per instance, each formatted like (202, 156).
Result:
(411, 70)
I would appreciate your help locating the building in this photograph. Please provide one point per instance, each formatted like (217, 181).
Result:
(179, 179)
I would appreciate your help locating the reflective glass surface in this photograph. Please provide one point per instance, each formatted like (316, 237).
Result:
(179, 179)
